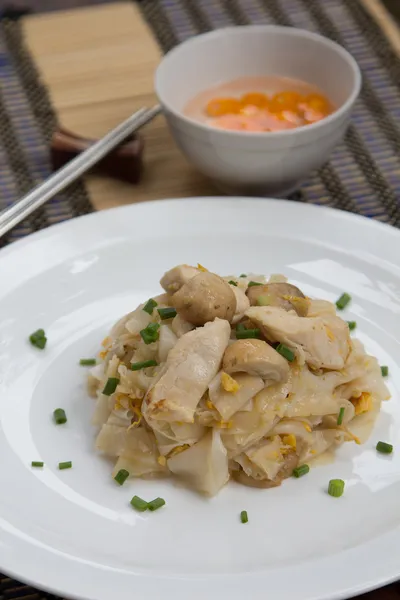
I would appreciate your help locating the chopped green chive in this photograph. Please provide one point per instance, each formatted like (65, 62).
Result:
(253, 283)
(150, 334)
(385, 371)
(143, 365)
(244, 334)
(140, 504)
(240, 327)
(285, 352)
(231, 282)
(65, 465)
(352, 325)
(300, 471)
(59, 416)
(336, 488)
(243, 275)
(37, 463)
(110, 386)
(87, 362)
(343, 301)
(121, 476)
(384, 448)
(244, 516)
(155, 504)
(38, 339)
(340, 416)
(150, 306)
(166, 313)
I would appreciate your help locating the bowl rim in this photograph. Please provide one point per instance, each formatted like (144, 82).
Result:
(237, 30)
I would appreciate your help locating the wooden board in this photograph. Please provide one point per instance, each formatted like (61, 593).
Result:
(98, 64)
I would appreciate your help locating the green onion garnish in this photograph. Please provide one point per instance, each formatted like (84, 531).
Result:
(166, 313)
(38, 339)
(143, 365)
(121, 476)
(285, 352)
(240, 327)
(336, 488)
(65, 465)
(300, 471)
(352, 325)
(244, 516)
(231, 282)
(253, 283)
(340, 416)
(37, 463)
(244, 334)
(150, 334)
(243, 275)
(155, 504)
(150, 306)
(110, 386)
(385, 371)
(87, 362)
(384, 448)
(343, 301)
(59, 416)
(140, 504)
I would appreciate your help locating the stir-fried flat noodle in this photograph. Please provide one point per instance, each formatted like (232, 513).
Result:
(217, 402)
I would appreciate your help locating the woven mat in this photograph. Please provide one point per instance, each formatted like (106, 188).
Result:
(27, 122)
(97, 65)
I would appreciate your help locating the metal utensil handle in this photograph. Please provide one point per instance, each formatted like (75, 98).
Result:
(74, 169)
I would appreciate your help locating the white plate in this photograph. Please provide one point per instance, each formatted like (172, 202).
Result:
(74, 532)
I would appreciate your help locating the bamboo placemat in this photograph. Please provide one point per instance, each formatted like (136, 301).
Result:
(108, 72)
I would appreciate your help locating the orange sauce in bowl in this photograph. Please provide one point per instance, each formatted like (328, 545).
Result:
(260, 105)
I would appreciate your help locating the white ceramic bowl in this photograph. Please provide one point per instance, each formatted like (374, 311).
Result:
(270, 163)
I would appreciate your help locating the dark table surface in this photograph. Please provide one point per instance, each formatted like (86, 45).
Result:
(47, 5)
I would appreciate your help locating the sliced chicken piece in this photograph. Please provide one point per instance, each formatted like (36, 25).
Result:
(242, 304)
(173, 280)
(228, 403)
(204, 298)
(321, 308)
(191, 365)
(323, 342)
(255, 357)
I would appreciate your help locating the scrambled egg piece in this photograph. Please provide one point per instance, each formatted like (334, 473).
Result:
(363, 403)
(201, 268)
(229, 384)
(162, 461)
(290, 440)
(137, 417)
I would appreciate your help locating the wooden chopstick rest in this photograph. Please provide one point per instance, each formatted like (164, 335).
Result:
(124, 163)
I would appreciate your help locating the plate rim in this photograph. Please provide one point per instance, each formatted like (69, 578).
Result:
(96, 214)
